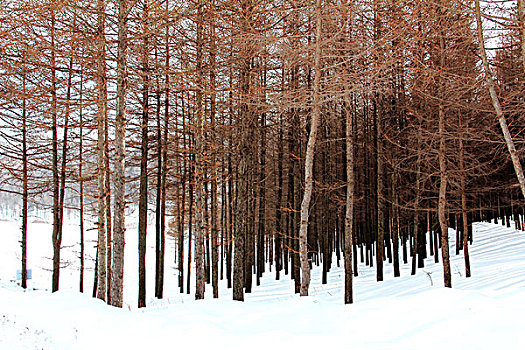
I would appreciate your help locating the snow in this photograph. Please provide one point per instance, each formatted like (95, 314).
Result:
(411, 312)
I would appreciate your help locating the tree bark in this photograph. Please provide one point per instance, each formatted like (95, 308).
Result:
(199, 161)
(143, 191)
(310, 151)
(349, 214)
(214, 174)
(62, 185)
(521, 23)
(101, 147)
(120, 159)
(380, 193)
(462, 185)
(57, 240)
(24, 180)
(81, 178)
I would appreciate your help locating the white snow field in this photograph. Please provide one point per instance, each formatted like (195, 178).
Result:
(486, 311)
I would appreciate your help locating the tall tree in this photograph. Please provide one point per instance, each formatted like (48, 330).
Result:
(101, 148)
(199, 158)
(495, 100)
(120, 158)
(57, 239)
(310, 151)
(143, 192)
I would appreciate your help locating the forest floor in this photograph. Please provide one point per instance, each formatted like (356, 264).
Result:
(485, 311)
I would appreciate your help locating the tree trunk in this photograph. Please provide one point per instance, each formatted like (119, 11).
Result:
(349, 214)
(442, 201)
(521, 23)
(101, 147)
(64, 153)
(395, 223)
(463, 190)
(416, 205)
(495, 100)
(120, 159)
(143, 191)
(81, 179)
(199, 162)
(158, 235)
(214, 174)
(278, 211)
(443, 174)
(109, 235)
(57, 240)
(24, 181)
(380, 193)
(310, 151)
(164, 164)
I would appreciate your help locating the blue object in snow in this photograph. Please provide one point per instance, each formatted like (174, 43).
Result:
(19, 274)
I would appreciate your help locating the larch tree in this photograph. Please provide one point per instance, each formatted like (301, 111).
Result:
(119, 228)
(310, 151)
(101, 148)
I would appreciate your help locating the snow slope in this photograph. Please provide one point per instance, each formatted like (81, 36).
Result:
(411, 312)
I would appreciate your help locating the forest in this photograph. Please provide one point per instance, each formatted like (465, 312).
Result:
(263, 136)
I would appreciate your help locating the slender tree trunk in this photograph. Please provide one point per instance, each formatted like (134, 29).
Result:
(199, 162)
(109, 240)
(214, 175)
(158, 235)
(310, 151)
(380, 193)
(462, 185)
(241, 204)
(442, 201)
(495, 100)
(245, 151)
(57, 242)
(349, 214)
(62, 192)
(443, 174)
(120, 159)
(190, 207)
(395, 223)
(81, 178)
(182, 207)
(143, 192)
(278, 212)
(24, 180)
(164, 164)
(521, 23)
(101, 147)
(416, 204)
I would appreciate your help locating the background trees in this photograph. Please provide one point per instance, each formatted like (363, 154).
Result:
(207, 108)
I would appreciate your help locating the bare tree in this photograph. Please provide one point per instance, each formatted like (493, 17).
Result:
(495, 100)
(120, 158)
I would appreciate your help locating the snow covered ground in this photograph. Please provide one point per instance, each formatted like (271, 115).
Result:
(411, 312)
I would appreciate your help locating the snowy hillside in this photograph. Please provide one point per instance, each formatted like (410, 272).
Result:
(411, 312)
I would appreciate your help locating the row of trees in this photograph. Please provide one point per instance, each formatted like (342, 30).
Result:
(262, 134)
